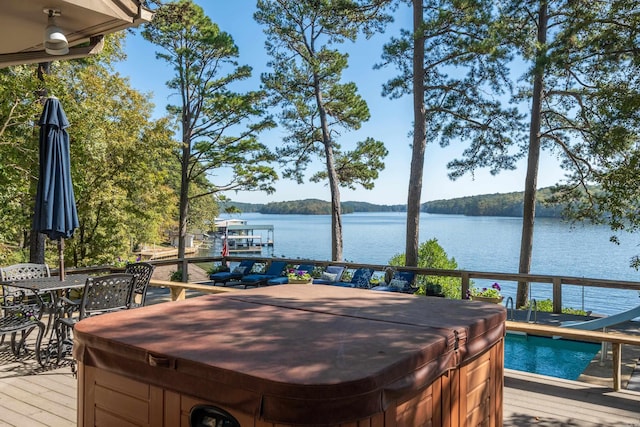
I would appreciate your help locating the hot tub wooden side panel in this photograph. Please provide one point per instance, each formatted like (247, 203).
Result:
(468, 396)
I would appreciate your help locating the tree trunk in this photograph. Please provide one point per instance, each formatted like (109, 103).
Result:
(531, 182)
(37, 241)
(334, 182)
(36, 247)
(336, 219)
(419, 141)
(184, 199)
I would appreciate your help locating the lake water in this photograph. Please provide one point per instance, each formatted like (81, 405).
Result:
(489, 244)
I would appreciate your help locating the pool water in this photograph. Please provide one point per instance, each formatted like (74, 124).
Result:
(547, 356)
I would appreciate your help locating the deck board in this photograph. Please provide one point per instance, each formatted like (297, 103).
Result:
(546, 401)
(48, 398)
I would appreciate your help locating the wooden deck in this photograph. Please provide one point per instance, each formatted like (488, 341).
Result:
(31, 396)
(531, 399)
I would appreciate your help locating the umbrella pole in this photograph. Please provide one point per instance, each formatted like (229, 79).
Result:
(61, 257)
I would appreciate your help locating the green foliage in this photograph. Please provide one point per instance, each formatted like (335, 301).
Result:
(119, 158)
(466, 105)
(316, 106)
(580, 84)
(588, 67)
(492, 292)
(176, 276)
(216, 268)
(306, 206)
(121, 162)
(19, 108)
(360, 166)
(432, 255)
(547, 306)
(300, 207)
(499, 204)
(10, 255)
(204, 61)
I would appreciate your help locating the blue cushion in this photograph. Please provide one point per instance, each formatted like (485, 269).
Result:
(282, 280)
(275, 270)
(253, 278)
(225, 276)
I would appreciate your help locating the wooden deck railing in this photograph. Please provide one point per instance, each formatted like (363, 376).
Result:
(465, 276)
(178, 292)
(178, 289)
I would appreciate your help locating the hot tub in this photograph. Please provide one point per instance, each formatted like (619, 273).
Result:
(295, 355)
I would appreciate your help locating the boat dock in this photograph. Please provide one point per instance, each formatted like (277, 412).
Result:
(162, 252)
(244, 238)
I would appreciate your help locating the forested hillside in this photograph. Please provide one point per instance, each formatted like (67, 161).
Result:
(499, 204)
(301, 207)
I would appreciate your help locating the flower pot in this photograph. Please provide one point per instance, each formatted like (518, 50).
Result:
(497, 300)
(300, 281)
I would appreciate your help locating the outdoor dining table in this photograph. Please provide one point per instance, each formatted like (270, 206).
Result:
(55, 288)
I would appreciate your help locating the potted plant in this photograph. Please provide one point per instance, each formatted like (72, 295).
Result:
(491, 294)
(299, 276)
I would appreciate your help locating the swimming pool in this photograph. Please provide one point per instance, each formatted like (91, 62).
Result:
(541, 355)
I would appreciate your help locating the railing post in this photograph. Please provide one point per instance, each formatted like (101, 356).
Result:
(178, 293)
(616, 363)
(185, 269)
(465, 284)
(557, 295)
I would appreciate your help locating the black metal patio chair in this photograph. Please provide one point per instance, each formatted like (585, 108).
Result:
(19, 316)
(20, 312)
(100, 295)
(143, 272)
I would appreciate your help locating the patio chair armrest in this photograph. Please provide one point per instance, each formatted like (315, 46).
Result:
(68, 306)
(67, 301)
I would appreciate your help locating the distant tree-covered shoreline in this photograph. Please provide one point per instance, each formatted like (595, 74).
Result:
(499, 204)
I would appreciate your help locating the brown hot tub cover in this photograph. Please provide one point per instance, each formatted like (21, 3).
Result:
(293, 353)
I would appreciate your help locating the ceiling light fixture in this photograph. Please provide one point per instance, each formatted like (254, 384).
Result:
(55, 42)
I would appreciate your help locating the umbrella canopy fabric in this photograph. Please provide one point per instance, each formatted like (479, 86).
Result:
(55, 209)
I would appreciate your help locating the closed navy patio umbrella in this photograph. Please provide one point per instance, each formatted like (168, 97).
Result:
(55, 210)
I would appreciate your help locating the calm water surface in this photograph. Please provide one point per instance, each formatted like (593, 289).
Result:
(477, 243)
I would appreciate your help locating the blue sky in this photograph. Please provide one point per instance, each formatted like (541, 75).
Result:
(391, 120)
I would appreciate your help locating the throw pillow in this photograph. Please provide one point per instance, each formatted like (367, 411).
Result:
(239, 270)
(328, 276)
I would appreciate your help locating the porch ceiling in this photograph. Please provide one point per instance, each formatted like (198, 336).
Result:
(22, 24)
